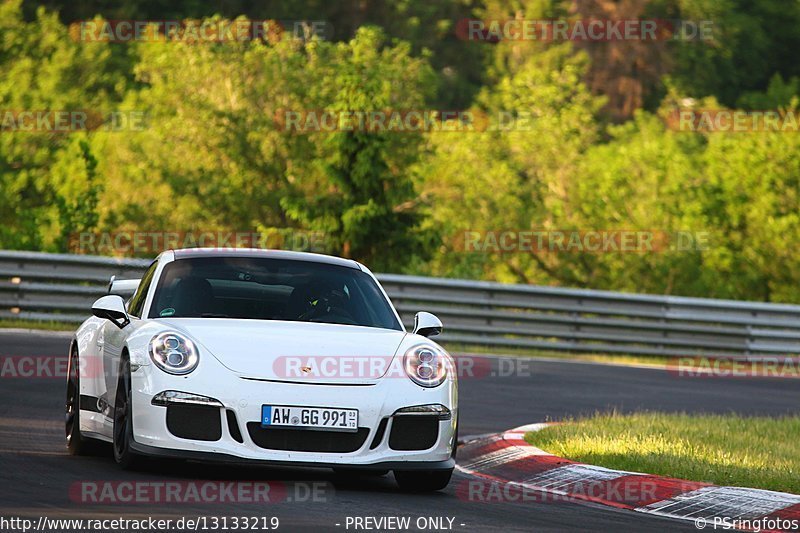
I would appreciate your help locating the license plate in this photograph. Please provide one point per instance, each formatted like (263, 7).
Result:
(325, 418)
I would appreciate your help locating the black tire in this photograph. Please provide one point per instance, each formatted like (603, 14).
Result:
(77, 444)
(455, 442)
(422, 480)
(123, 419)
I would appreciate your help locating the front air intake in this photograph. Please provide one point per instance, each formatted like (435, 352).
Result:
(306, 440)
(194, 422)
(233, 426)
(414, 432)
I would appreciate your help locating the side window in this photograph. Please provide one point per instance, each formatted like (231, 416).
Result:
(137, 302)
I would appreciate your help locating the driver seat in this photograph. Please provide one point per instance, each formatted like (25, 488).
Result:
(298, 302)
(193, 297)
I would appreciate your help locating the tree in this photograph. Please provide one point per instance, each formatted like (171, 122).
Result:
(515, 177)
(219, 157)
(752, 41)
(427, 26)
(752, 202)
(43, 173)
(364, 198)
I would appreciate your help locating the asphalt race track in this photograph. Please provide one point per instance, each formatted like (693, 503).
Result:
(37, 474)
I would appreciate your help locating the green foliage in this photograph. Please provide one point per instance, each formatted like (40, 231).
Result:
(367, 203)
(752, 41)
(215, 157)
(425, 25)
(737, 192)
(779, 94)
(215, 153)
(48, 187)
(751, 199)
(514, 178)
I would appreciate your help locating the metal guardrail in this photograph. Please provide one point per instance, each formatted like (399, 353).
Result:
(61, 287)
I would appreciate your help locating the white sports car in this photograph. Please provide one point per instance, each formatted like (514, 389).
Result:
(263, 355)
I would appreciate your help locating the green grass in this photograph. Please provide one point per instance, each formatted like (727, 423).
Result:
(757, 452)
(6, 323)
(620, 359)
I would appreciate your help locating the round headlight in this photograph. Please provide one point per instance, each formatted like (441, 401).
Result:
(173, 353)
(426, 365)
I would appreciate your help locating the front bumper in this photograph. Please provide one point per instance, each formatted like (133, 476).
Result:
(211, 457)
(244, 397)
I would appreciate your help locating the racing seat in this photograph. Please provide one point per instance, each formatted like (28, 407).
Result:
(193, 297)
(299, 302)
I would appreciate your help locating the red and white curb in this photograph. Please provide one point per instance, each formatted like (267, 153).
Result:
(507, 459)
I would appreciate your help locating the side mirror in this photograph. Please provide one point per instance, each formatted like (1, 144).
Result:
(111, 307)
(427, 324)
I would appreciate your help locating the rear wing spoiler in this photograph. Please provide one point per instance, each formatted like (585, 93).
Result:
(123, 287)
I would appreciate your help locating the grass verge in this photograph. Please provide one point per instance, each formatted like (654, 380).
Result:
(7, 323)
(685, 367)
(620, 359)
(756, 452)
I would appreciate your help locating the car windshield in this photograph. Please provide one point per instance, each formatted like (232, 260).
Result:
(270, 289)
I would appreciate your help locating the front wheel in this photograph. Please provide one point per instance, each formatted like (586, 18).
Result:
(123, 419)
(422, 480)
(76, 443)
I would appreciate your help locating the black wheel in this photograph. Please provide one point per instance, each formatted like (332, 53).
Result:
(76, 443)
(422, 480)
(123, 419)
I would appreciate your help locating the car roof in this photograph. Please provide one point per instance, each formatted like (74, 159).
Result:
(189, 253)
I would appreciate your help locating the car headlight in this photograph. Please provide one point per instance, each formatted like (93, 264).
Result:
(426, 365)
(173, 353)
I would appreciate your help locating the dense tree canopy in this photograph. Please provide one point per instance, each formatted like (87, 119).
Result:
(558, 136)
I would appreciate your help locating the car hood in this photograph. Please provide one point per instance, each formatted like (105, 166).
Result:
(299, 352)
